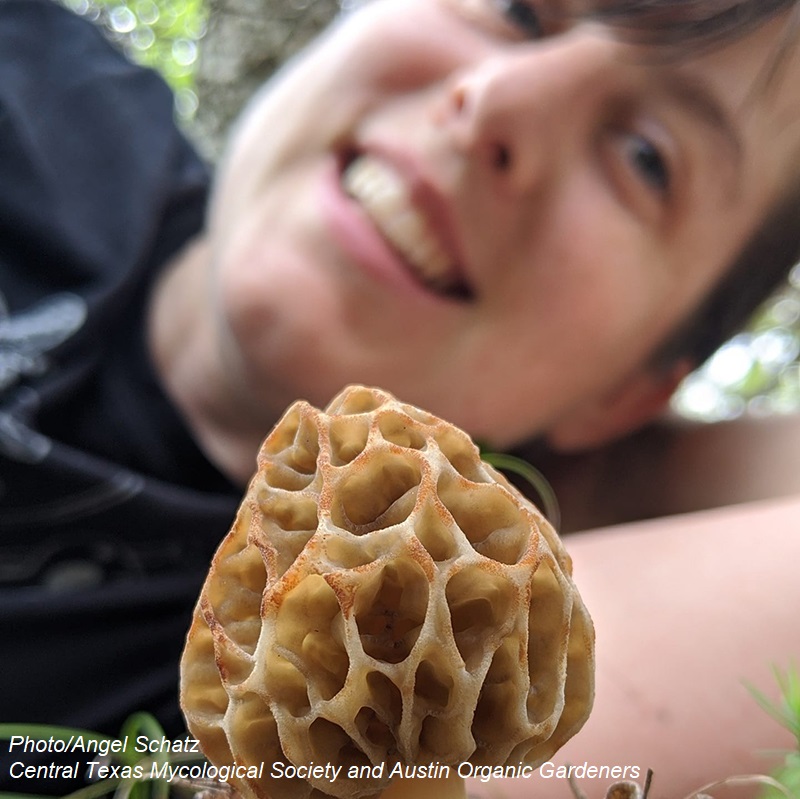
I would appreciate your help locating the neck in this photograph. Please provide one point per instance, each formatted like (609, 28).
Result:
(226, 423)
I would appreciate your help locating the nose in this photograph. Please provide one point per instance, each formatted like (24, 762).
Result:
(520, 112)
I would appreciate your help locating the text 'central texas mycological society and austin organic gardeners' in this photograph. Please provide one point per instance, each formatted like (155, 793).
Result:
(88, 757)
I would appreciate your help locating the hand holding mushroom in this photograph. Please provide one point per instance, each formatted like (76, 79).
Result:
(384, 601)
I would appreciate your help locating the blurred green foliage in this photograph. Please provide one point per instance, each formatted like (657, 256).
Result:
(786, 711)
(162, 34)
(755, 373)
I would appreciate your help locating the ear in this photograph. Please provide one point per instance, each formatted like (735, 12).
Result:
(640, 399)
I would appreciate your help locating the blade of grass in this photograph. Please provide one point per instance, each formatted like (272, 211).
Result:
(9, 795)
(786, 710)
(518, 466)
(136, 725)
(742, 780)
(96, 789)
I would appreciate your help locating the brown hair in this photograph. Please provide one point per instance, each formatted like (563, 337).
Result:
(685, 23)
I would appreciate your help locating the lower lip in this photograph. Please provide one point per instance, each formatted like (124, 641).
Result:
(356, 235)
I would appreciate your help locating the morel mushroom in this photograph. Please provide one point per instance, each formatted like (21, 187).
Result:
(385, 600)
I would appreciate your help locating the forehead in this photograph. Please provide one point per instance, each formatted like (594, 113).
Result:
(765, 31)
(755, 78)
(744, 86)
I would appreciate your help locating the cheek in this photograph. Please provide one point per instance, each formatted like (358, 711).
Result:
(263, 288)
(246, 311)
(563, 338)
(606, 280)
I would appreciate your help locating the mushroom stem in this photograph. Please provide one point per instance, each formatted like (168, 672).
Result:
(451, 787)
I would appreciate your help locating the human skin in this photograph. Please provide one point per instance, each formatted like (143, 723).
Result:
(584, 194)
(688, 611)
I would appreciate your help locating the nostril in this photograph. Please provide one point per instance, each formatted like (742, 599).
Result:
(501, 157)
(459, 99)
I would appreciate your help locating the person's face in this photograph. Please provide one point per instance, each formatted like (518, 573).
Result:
(497, 224)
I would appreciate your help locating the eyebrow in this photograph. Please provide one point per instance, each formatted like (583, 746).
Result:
(698, 99)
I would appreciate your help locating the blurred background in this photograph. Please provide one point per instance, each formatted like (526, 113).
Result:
(756, 374)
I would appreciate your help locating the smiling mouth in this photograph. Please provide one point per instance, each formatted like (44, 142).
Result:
(386, 200)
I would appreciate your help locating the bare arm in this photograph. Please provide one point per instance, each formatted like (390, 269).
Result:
(686, 609)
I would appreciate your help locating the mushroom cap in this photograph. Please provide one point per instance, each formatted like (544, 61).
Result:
(384, 597)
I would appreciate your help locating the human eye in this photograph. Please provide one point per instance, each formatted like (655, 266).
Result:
(518, 19)
(521, 15)
(645, 167)
(647, 161)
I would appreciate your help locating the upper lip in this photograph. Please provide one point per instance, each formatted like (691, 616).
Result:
(429, 200)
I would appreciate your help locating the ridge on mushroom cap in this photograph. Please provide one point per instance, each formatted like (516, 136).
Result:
(384, 597)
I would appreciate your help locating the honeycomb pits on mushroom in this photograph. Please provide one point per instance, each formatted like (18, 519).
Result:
(384, 597)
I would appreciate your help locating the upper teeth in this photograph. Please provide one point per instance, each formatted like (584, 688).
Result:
(385, 198)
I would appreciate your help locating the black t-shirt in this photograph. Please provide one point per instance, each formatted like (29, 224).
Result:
(109, 513)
